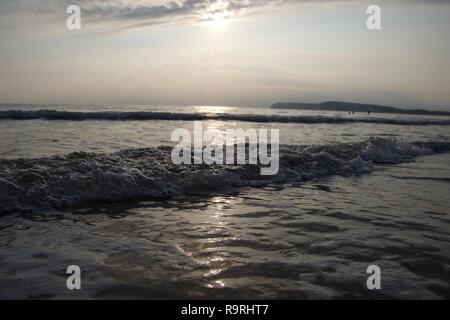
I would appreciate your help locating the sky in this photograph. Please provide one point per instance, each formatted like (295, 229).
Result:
(225, 52)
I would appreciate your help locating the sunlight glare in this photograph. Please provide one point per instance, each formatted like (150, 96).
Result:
(218, 20)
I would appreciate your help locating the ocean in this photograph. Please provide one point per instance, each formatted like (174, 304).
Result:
(94, 186)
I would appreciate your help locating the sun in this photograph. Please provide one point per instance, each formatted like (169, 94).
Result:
(218, 22)
(218, 19)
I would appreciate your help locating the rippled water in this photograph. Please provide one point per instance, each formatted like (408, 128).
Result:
(300, 240)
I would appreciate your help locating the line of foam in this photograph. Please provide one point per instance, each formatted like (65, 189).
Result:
(77, 178)
(143, 115)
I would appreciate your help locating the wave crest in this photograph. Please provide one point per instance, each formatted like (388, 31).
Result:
(142, 115)
(76, 178)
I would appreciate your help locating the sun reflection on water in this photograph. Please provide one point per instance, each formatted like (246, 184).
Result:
(215, 109)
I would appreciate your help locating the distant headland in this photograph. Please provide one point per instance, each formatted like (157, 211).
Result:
(353, 107)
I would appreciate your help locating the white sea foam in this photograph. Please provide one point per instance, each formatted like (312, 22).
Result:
(144, 115)
(77, 178)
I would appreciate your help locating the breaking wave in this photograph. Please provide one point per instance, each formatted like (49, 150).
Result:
(143, 115)
(138, 174)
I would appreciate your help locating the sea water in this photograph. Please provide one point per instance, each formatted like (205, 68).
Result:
(103, 194)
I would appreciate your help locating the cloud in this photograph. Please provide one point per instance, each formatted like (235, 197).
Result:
(149, 12)
(144, 10)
